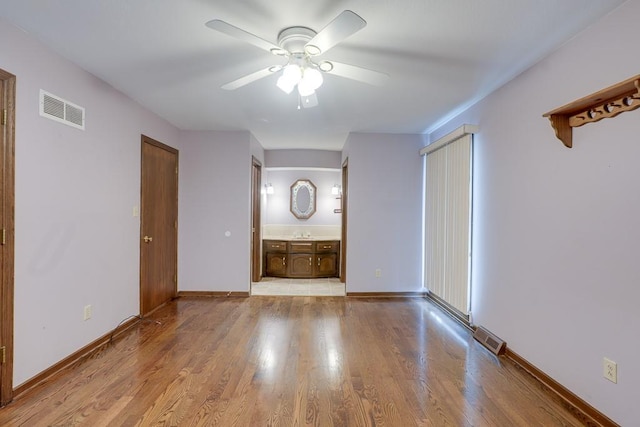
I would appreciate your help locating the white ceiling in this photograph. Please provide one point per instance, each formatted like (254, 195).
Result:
(441, 55)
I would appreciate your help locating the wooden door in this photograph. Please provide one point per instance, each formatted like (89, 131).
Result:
(7, 198)
(256, 179)
(343, 242)
(158, 225)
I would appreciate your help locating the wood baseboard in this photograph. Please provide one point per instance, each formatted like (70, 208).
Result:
(84, 352)
(386, 294)
(581, 409)
(586, 413)
(213, 294)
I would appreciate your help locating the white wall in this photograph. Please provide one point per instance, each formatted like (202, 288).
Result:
(283, 168)
(256, 150)
(278, 204)
(215, 198)
(77, 242)
(303, 158)
(555, 264)
(384, 223)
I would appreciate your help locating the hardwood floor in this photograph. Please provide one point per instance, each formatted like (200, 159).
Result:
(288, 361)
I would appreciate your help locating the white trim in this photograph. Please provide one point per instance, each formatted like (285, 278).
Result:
(449, 138)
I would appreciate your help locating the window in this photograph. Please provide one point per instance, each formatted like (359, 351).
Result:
(447, 212)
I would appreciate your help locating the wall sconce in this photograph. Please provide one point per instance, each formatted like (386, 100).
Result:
(335, 190)
(269, 188)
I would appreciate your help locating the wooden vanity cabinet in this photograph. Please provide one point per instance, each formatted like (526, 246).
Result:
(301, 259)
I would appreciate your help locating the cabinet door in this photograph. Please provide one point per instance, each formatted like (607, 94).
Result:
(301, 265)
(276, 264)
(326, 265)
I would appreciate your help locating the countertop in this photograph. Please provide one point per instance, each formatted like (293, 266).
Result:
(301, 239)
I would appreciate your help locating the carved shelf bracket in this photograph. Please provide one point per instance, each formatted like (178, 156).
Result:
(609, 102)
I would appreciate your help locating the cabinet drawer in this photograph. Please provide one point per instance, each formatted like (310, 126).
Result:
(327, 246)
(275, 246)
(301, 247)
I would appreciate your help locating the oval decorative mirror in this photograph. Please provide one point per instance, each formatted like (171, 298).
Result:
(303, 199)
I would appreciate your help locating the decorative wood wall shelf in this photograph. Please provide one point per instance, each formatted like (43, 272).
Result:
(609, 102)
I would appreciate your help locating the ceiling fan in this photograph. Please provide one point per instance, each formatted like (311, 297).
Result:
(301, 46)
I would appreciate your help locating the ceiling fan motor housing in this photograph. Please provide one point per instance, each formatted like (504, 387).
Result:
(294, 39)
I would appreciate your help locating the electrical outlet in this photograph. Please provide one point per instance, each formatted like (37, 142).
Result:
(610, 370)
(87, 312)
(378, 272)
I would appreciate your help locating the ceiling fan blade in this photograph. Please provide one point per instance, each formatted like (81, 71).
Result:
(309, 101)
(249, 78)
(233, 31)
(344, 25)
(375, 78)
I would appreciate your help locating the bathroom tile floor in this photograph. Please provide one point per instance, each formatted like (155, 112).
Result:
(297, 287)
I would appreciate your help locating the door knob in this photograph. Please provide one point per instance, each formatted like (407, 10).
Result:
(148, 239)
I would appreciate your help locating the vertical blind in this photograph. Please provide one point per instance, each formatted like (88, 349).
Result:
(448, 220)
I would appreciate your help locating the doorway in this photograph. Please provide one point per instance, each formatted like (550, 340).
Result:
(343, 209)
(256, 231)
(304, 254)
(7, 203)
(158, 225)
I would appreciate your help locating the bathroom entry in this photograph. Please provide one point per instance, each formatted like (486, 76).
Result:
(256, 226)
(305, 242)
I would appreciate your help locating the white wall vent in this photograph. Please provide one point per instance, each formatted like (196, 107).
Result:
(487, 339)
(60, 110)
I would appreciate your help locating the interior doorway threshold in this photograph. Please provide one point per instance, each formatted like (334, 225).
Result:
(298, 287)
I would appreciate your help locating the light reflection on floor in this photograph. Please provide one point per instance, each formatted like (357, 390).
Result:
(298, 287)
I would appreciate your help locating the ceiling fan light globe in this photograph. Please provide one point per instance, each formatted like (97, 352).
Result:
(292, 73)
(304, 89)
(312, 77)
(285, 85)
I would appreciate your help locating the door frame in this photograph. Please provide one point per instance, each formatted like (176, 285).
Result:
(7, 167)
(256, 230)
(343, 208)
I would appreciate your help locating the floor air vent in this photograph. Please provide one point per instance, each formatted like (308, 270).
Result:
(56, 108)
(487, 339)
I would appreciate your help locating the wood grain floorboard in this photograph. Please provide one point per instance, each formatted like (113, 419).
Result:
(291, 361)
